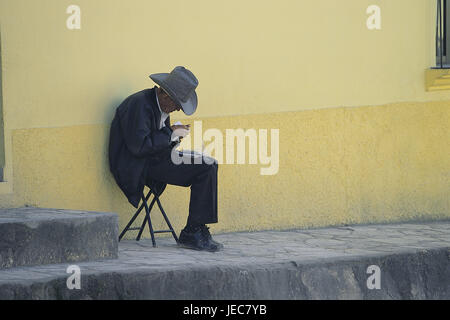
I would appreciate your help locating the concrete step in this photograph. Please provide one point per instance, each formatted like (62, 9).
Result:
(38, 236)
(390, 261)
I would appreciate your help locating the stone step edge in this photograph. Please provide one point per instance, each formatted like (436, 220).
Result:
(422, 274)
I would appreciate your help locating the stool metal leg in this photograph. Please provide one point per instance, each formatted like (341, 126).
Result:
(134, 218)
(129, 224)
(145, 219)
(167, 219)
(149, 220)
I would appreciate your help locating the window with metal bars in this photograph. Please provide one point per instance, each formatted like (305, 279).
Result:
(442, 32)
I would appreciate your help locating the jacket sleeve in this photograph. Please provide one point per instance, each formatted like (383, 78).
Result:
(141, 138)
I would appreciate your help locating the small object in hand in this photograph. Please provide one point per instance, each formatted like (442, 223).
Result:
(181, 130)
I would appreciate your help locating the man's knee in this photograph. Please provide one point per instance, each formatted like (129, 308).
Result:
(214, 166)
(211, 168)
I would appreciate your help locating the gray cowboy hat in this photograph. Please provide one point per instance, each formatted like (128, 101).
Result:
(180, 85)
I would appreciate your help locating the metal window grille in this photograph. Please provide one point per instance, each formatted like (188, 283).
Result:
(441, 35)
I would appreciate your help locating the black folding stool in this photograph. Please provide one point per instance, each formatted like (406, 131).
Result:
(155, 190)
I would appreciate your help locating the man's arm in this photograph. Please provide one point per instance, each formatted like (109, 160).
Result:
(141, 138)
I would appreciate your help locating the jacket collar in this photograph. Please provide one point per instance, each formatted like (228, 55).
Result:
(151, 98)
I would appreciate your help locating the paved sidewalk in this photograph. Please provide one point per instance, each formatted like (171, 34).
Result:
(269, 247)
(345, 251)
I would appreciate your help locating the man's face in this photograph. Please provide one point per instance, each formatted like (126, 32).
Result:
(166, 103)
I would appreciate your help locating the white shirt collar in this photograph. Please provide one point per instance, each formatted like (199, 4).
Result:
(163, 114)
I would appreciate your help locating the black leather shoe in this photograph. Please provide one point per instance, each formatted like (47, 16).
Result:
(207, 235)
(196, 240)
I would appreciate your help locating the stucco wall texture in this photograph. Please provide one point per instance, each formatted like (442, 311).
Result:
(336, 166)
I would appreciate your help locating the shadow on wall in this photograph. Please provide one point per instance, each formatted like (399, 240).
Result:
(2, 136)
(121, 92)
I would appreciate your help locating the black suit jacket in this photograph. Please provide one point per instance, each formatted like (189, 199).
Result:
(135, 142)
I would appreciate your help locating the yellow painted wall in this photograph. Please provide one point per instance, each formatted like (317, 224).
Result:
(339, 165)
(360, 138)
(252, 56)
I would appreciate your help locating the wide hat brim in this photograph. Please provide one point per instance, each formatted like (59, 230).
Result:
(189, 106)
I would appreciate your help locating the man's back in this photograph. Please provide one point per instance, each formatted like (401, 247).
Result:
(135, 141)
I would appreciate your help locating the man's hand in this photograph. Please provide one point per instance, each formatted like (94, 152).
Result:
(180, 126)
(180, 131)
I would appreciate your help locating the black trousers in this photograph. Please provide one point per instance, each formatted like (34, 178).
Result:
(201, 177)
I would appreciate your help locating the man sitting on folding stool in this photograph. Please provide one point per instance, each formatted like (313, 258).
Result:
(140, 148)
